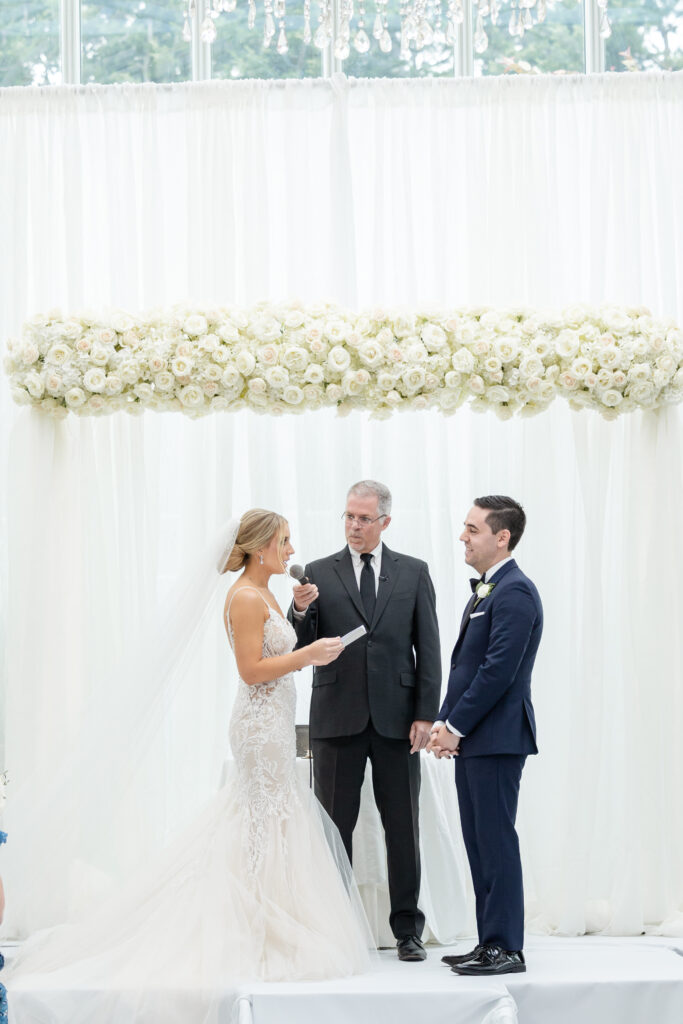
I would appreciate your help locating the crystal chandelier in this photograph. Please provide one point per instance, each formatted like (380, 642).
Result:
(347, 25)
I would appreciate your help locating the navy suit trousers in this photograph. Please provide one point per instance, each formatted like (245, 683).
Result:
(488, 791)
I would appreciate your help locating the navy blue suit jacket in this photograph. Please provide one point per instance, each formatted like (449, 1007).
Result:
(488, 698)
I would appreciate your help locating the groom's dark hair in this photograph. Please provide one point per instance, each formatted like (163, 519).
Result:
(505, 514)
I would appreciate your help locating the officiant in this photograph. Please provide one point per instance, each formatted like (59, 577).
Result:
(379, 699)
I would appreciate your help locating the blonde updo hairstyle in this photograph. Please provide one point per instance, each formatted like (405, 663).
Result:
(257, 529)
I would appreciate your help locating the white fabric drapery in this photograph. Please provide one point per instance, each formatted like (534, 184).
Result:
(543, 191)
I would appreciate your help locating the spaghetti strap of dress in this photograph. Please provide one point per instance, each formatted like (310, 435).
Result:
(227, 613)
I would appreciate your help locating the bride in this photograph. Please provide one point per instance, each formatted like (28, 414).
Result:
(258, 887)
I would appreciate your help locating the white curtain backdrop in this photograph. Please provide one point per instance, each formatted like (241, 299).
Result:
(545, 191)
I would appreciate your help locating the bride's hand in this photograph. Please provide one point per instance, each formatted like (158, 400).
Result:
(323, 651)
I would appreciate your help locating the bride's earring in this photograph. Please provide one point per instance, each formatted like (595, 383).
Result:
(260, 558)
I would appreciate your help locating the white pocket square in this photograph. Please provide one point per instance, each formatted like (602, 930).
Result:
(475, 615)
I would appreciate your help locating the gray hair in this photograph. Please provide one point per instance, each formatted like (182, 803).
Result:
(371, 488)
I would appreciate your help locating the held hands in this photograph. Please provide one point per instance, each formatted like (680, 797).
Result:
(304, 595)
(443, 743)
(323, 651)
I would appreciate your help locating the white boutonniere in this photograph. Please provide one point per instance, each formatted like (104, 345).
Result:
(483, 590)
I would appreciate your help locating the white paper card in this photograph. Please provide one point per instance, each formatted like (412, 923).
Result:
(355, 634)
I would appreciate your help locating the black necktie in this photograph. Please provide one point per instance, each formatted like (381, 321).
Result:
(367, 586)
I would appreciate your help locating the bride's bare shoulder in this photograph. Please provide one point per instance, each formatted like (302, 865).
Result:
(244, 600)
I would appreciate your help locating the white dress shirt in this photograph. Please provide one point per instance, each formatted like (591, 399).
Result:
(488, 575)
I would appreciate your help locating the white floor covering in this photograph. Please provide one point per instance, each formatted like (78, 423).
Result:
(587, 980)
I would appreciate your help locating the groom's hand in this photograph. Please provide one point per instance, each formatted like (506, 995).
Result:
(419, 736)
(444, 743)
(303, 596)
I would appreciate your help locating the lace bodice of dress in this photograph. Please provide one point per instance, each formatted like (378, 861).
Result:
(263, 738)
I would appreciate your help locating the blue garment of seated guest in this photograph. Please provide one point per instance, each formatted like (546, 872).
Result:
(3, 990)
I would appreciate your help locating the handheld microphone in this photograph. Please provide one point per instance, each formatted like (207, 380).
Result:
(297, 573)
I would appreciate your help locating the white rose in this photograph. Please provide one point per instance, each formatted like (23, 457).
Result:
(53, 383)
(257, 386)
(476, 384)
(568, 381)
(581, 367)
(191, 396)
(130, 339)
(463, 360)
(210, 388)
(129, 372)
(395, 354)
(497, 394)
(666, 363)
(385, 381)
(567, 344)
(295, 358)
(533, 385)
(195, 325)
(337, 330)
(164, 381)
(294, 318)
(157, 363)
(245, 362)
(314, 396)
(106, 336)
(317, 346)
(268, 355)
(94, 379)
(231, 378)
(608, 356)
(59, 354)
(333, 393)
(181, 366)
(449, 400)
(660, 379)
(506, 348)
(277, 376)
(531, 366)
(350, 385)
(616, 320)
(433, 337)
(393, 398)
(431, 381)
(643, 393)
(99, 355)
(29, 354)
(413, 379)
(293, 395)
(611, 397)
(122, 322)
(452, 379)
(145, 392)
(75, 397)
(96, 403)
(221, 355)
(266, 329)
(211, 372)
(481, 346)
(219, 403)
(605, 378)
(492, 364)
(370, 353)
(228, 332)
(314, 374)
(338, 359)
(384, 337)
(541, 346)
(33, 383)
(83, 345)
(416, 354)
(113, 384)
(639, 372)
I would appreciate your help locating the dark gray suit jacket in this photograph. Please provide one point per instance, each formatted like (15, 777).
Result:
(392, 675)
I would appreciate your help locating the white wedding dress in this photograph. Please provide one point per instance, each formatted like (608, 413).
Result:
(258, 887)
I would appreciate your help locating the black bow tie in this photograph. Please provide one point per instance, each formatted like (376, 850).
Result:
(475, 583)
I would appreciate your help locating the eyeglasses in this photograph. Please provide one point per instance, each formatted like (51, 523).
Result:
(363, 521)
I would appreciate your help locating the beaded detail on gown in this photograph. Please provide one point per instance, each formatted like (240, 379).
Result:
(257, 887)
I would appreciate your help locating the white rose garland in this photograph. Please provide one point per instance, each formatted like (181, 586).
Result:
(286, 357)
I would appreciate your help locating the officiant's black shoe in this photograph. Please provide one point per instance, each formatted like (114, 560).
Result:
(410, 947)
(492, 960)
(461, 958)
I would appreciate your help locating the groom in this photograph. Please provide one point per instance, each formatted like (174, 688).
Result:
(378, 700)
(487, 721)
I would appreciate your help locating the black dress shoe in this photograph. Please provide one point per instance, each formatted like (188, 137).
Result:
(493, 960)
(410, 948)
(461, 958)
